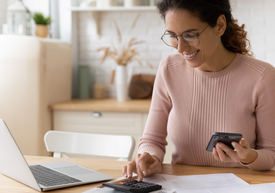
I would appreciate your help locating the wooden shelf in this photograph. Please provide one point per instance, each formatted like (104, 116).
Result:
(116, 8)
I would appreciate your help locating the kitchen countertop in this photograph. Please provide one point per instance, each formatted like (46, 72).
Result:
(107, 105)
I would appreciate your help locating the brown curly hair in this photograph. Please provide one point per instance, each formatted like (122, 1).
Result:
(234, 38)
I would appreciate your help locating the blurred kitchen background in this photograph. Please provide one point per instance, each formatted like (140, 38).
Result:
(85, 26)
(78, 27)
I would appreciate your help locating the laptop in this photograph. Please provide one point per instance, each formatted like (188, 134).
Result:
(43, 177)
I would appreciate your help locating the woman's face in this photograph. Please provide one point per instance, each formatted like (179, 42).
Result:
(179, 21)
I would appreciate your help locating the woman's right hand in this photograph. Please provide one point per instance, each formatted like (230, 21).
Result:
(143, 165)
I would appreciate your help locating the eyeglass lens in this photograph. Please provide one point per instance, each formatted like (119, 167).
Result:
(172, 40)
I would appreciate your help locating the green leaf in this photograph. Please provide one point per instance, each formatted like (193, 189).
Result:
(40, 19)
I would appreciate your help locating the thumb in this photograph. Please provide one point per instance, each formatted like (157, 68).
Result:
(243, 142)
(154, 168)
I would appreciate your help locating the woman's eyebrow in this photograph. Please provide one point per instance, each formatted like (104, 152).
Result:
(190, 30)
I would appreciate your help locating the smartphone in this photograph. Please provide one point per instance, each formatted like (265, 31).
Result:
(226, 138)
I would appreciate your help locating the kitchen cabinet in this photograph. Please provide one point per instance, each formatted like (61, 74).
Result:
(104, 117)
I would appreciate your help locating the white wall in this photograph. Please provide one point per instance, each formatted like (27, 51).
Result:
(257, 15)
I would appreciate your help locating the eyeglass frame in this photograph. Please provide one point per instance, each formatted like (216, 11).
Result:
(197, 36)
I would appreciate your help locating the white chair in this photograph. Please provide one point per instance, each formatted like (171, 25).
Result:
(112, 146)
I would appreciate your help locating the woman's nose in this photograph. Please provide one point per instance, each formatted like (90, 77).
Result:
(182, 45)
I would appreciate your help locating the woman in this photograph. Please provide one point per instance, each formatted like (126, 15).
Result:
(212, 85)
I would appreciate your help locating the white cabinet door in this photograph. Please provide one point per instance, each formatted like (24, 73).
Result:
(99, 122)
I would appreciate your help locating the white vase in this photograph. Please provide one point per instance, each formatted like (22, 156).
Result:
(121, 83)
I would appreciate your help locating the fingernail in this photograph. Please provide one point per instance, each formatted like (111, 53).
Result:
(234, 143)
(144, 173)
(125, 175)
(148, 171)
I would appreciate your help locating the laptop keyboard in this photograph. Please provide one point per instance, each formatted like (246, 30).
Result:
(48, 177)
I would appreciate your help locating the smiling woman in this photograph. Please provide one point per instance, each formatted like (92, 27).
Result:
(212, 85)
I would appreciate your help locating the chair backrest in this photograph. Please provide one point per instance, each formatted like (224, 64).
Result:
(114, 146)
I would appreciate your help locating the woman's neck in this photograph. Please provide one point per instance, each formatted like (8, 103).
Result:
(219, 61)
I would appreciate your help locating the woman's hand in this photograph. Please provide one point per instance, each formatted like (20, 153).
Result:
(242, 152)
(143, 165)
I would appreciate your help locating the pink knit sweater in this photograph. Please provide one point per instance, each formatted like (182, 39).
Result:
(190, 105)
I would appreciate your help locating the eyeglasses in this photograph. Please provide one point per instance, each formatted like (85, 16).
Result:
(190, 38)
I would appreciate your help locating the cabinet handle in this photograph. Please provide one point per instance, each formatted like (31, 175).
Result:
(96, 114)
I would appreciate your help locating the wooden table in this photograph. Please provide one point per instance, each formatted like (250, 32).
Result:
(113, 168)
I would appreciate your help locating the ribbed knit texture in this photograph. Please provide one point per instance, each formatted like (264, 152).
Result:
(190, 105)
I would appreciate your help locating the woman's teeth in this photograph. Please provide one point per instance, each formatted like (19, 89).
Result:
(191, 55)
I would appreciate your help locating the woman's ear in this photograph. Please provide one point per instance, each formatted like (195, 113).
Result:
(221, 25)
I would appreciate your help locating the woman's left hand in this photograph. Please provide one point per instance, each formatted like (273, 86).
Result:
(242, 152)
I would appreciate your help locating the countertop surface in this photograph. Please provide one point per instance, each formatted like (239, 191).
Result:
(107, 105)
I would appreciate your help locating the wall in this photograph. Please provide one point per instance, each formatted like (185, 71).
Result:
(257, 15)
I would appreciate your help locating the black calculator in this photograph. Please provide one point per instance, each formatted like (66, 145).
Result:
(133, 186)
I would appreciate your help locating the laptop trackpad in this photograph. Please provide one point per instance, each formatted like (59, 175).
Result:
(74, 170)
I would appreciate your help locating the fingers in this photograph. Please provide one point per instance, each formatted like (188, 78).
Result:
(222, 152)
(241, 152)
(144, 162)
(124, 171)
(143, 165)
(244, 143)
(226, 154)
(215, 154)
(155, 167)
(242, 148)
(139, 174)
(127, 171)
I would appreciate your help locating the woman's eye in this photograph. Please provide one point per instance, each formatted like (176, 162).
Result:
(190, 36)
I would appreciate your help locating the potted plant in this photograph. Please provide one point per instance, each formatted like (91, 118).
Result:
(42, 23)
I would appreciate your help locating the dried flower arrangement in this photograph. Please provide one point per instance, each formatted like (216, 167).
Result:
(123, 54)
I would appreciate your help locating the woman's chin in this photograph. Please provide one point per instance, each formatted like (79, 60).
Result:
(193, 64)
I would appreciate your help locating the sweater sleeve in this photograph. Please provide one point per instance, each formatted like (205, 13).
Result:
(153, 140)
(265, 122)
